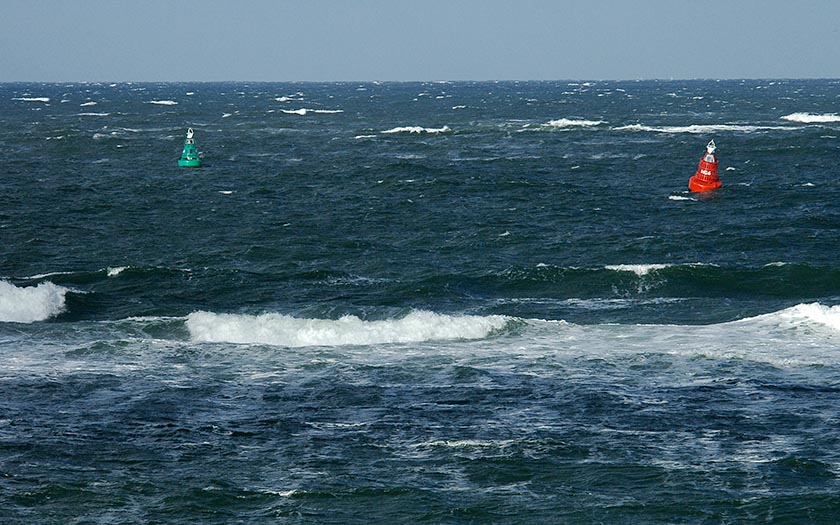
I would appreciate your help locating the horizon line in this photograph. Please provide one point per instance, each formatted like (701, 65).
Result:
(415, 81)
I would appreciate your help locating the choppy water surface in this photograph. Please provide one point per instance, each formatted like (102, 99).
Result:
(419, 303)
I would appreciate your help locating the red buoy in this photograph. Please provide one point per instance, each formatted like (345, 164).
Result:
(706, 177)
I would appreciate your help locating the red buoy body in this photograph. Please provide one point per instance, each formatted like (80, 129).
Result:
(706, 177)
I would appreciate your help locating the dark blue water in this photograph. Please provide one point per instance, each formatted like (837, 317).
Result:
(419, 303)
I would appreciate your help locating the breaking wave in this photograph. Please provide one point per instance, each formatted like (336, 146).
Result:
(163, 102)
(30, 304)
(804, 314)
(418, 129)
(810, 118)
(568, 123)
(283, 330)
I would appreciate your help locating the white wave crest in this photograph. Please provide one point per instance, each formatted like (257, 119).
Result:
(284, 330)
(163, 102)
(802, 315)
(89, 114)
(810, 118)
(418, 129)
(701, 128)
(306, 111)
(567, 123)
(32, 99)
(113, 271)
(638, 269)
(30, 304)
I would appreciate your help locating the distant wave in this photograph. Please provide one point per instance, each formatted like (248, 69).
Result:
(85, 104)
(284, 330)
(638, 269)
(701, 128)
(30, 304)
(810, 118)
(305, 111)
(32, 99)
(567, 123)
(163, 102)
(418, 129)
(94, 114)
(696, 279)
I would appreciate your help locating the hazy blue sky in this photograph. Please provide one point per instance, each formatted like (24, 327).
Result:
(153, 40)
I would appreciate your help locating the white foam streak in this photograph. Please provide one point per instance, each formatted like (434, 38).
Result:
(32, 99)
(701, 128)
(566, 123)
(418, 129)
(163, 102)
(30, 304)
(810, 118)
(306, 111)
(284, 330)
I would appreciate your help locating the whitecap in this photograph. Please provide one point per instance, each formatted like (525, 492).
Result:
(701, 128)
(283, 330)
(32, 99)
(418, 129)
(566, 123)
(306, 111)
(116, 270)
(638, 269)
(85, 104)
(810, 118)
(804, 314)
(163, 102)
(30, 304)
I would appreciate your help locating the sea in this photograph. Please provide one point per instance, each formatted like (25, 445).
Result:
(420, 302)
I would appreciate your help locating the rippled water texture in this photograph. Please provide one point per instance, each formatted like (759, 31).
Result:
(419, 303)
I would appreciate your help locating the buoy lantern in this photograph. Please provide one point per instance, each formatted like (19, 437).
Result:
(706, 177)
(189, 156)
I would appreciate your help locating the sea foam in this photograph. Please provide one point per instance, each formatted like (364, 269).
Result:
(30, 304)
(283, 330)
(638, 269)
(163, 102)
(306, 111)
(810, 118)
(803, 315)
(568, 123)
(701, 128)
(418, 129)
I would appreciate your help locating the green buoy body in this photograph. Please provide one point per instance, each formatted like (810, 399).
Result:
(189, 156)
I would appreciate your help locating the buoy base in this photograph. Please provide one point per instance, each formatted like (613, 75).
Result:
(697, 185)
(189, 163)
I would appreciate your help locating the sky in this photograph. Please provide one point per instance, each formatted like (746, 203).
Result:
(407, 40)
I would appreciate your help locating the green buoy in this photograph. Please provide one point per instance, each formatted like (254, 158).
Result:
(189, 157)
